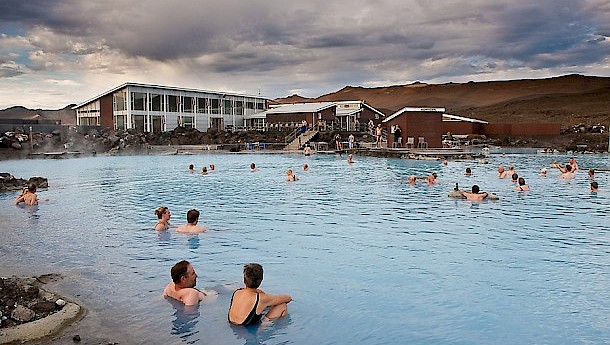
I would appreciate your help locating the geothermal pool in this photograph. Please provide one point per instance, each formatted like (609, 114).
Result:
(367, 258)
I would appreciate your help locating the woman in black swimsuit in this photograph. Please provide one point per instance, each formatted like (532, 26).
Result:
(248, 304)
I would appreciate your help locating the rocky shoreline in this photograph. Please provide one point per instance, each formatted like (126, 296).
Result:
(29, 312)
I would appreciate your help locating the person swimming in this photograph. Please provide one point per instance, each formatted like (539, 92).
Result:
(468, 172)
(350, 158)
(191, 168)
(164, 215)
(522, 186)
(501, 172)
(475, 195)
(290, 176)
(594, 187)
(204, 170)
(253, 167)
(305, 167)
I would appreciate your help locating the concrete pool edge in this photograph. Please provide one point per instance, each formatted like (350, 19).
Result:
(48, 326)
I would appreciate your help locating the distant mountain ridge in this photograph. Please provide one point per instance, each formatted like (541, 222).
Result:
(568, 99)
(67, 116)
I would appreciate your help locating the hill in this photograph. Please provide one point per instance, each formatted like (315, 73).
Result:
(569, 99)
(67, 116)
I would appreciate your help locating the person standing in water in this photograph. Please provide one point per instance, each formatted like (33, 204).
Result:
(191, 227)
(164, 215)
(28, 196)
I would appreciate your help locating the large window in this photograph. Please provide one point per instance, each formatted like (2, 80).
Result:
(119, 101)
(120, 122)
(138, 101)
(172, 104)
(156, 102)
(215, 106)
(188, 122)
(249, 105)
(260, 106)
(239, 107)
(188, 105)
(202, 105)
(139, 122)
(227, 105)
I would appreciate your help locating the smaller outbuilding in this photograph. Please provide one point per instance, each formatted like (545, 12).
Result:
(418, 127)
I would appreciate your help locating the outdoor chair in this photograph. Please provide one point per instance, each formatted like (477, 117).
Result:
(421, 143)
(410, 142)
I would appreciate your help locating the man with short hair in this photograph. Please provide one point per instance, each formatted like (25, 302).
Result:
(248, 304)
(182, 287)
(567, 173)
(594, 187)
(475, 195)
(192, 218)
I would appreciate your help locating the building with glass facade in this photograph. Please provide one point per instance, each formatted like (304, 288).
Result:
(156, 108)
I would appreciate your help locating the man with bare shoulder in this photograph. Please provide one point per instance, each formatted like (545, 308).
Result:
(192, 218)
(567, 172)
(182, 287)
(28, 196)
(248, 304)
(475, 195)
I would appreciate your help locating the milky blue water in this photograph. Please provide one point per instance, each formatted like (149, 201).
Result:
(367, 258)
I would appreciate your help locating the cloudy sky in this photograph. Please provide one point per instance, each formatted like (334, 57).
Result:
(57, 52)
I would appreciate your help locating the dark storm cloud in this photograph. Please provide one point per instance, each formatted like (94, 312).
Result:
(322, 36)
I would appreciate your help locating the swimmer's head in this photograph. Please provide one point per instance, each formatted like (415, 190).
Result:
(211, 166)
(501, 169)
(252, 166)
(594, 185)
(253, 275)
(543, 171)
(192, 216)
(515, 176)
(521, 181)
(475, 189)
(159, 211)
(568, 167)
(32, 187)
(191, 167)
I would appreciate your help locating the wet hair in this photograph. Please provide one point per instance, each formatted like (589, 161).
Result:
(475, 189)
(204, 169)
(253, 275)
(211, 166)
(594, 185)
(515, 176)
(468, 171)
(568, 167)
(252, 165)
(179, 270)
(521, 181)
(32, 187)
(159, 211)
(192, 216)
(191, 167)
(591, 172)
(500, 168)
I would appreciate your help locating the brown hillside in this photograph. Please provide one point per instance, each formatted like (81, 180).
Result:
(568, 99)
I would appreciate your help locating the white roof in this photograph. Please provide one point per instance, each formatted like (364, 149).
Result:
(152, 86)
(261, 115)
(300, 108)
(449, 117)
(405, 109)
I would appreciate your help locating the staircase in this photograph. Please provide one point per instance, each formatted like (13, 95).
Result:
(301, 140)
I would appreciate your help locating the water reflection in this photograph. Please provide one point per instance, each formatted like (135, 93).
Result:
(164, 236)
(185, 318)
(193, 241)
(262, 332)
(32, 212)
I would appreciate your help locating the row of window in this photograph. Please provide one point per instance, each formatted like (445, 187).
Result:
(183, 104)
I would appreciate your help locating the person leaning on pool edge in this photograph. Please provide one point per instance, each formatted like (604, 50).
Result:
(248, 304)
